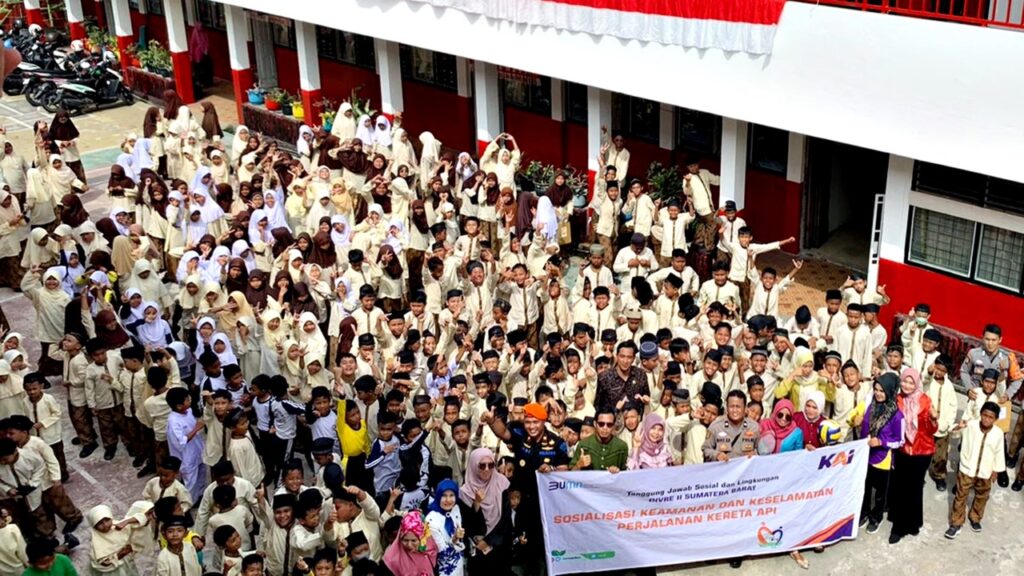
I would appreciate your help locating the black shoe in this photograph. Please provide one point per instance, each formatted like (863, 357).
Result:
(149, 470)
(952, 532)
(940, 485)
(1004, 479)
(138, 461)
(71, 541)
(863, 519)
(872, 527)
(735, 563)
(894, 538)
(1017, 485)
(109, 453)
(76, 441)
(976, 526)
(69, 528)
(88, 449)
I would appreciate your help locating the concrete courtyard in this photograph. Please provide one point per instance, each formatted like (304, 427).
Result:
(995, 551)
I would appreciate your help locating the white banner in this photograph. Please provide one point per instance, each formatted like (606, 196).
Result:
(762, 505)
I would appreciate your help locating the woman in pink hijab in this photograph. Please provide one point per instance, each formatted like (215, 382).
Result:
(488, 512)
(199, 54)
(653, 451)
(413, 553)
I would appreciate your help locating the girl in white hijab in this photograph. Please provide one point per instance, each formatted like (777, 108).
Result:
(91, 240)
(40, 249)
(60, 178)
(242, 249)
(304, 146)
(248, 346)
(49, 300)
(239, 143)
(465, 168)
(344, 126)
(39, 199)
(403, 152)
(217, 266)
(147, 280)
(308, 334)
(322, 207)
(382, 136)
(107, 545)
(12, 391)
(187, 265)
(153, 332)
(142, 157)
(546, 218)
(275, 331)
(13, 229)
(430, 155)
(195, 229)
(219, 168)
(274, 209)
(364, 131)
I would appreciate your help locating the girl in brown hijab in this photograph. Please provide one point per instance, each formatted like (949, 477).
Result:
(171, 104)
(257, 289)
(211, 123)
(73, 213)
(225, 197)
(238, 276)
(322, 253)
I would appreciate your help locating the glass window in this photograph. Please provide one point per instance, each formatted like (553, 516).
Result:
(1001, 258)
(575, 102)
(528, 92)
(970, 187)
(282, 31)
(429, 67)
(768, 149)
(698, 131)
(133, 5)
(327, 43)
(941, 241)
(211, 14)
(345, 47)
(636, 117)
(155, 7)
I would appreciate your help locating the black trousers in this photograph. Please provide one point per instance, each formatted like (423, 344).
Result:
(876, 490)
(906, 502)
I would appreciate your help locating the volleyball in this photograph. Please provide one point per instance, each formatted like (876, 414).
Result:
(830, 433)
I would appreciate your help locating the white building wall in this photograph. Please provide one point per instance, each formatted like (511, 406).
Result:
(941, 92)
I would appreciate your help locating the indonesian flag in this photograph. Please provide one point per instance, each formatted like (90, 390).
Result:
(729, 25)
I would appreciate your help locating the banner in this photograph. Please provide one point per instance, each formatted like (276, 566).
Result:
(745, 507)
(730, 25)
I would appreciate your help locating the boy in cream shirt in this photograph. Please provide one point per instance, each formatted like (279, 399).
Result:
(944, 405)
(607, 208)
(672, 223)
(982, 457)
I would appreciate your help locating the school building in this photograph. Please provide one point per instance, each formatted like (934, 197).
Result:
(883, 134)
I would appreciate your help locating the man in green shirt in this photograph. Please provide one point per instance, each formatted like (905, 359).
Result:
(43, 560)
(602, 450)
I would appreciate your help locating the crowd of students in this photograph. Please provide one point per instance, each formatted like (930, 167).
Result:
(354, 358)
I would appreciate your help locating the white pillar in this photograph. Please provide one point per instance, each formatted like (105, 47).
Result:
(898, 184)
(190, 13)
(463, 78)
(599, 115)
(389, 68)
(75, 13)
(734, 162)
(122, 18)
(486, 102)
(33, 15)
(143, 8)
(309, 65)
(557, 100)
(667, 127)
(238, 54)
(795, 161)
(177, 36)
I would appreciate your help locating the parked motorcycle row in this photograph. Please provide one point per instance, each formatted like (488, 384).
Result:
(57, 75)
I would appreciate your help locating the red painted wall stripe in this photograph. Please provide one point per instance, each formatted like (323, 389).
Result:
(747, 11)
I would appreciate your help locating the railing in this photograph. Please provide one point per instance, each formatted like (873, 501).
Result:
(992, 13)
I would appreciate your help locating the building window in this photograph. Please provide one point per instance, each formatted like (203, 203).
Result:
(575, 102)
(635, 117)
(969, 187)
(532, 93)
(941, 241)
(429, 67)
(211, 14)
(768, 149)
(345, 47)
(133, 5)
(282, 31)
(1001, 258)
(698, 131)
(155, 7)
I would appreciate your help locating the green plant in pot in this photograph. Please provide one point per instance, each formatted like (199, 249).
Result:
(276, 99)
(664, 182)
(156, 59)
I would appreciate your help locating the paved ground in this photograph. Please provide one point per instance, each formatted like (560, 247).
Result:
(94, 481)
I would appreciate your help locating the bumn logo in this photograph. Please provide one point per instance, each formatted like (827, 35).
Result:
(554, 486)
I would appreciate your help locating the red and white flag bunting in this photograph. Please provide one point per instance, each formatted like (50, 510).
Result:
(729, 25)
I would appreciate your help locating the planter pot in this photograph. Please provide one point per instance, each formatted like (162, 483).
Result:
(298, 111)
(255, 97)
(286, 109)
(328, 124)
(579, 201)
(273, 105)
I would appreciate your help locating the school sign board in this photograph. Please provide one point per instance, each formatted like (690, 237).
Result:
(745, 507)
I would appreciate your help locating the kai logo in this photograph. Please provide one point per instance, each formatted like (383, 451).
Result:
(768, 538)
(554, 486)
(835, 460)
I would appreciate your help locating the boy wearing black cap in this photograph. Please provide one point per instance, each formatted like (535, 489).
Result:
(223, 474)
(131, 385)
(179, 557)
(730, 223)
(636, 259)
(666, 306)
(923, 357)
(766, 294)
(521, 288)
(672, 221)
(75, 361)
(853, 340)
(360, 271)
(276, 517)
(417, 317)
(607, 206)
(719, 288)
(99, 393)
(154, 417)
(913, 328)
(602, 315)
(742, 255)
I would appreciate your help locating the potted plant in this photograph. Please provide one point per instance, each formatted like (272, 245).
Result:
(298, 110)
(327, 113)
(256, 95)
(285, 100)
(156, 59)
(274, 99)
(664, 182)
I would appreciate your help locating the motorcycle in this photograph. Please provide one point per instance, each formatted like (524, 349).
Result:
(57, 63)
(106, 90)
(37, 85)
